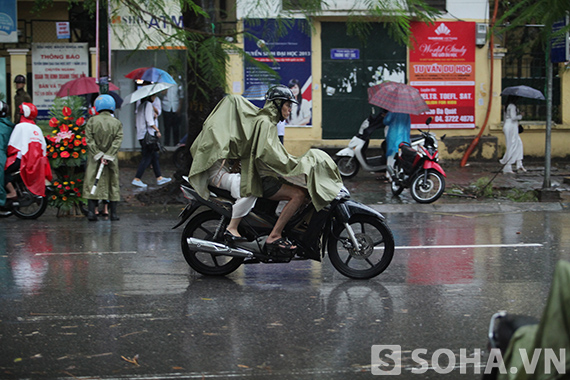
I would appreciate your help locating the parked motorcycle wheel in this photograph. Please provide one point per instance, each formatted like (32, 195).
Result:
(31, 206)
(374, 255)
(348, 166)
(431, 189)
(180, 157)
(203, 227)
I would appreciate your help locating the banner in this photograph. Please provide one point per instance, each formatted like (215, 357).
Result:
(442, 68)
(291, 61)
(54, 64)
(153, 29)
(9, 22)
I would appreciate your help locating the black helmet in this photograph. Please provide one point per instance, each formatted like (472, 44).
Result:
(280, 92)
(3, 109)
(20, 79)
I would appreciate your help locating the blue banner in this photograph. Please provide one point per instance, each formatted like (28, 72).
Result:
(8, 22)
(288, 53)
(559, 45)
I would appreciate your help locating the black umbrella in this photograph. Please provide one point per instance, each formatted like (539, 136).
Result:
(523, 91)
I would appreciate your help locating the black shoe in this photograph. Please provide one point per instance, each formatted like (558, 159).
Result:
(92, 205)
(231, 238)
(113, 211)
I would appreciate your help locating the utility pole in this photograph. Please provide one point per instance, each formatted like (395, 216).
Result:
(102, 44)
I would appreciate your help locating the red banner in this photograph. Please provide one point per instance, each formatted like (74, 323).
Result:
(442, 68)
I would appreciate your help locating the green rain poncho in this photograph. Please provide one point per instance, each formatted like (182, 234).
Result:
(104, 134)
(553, 332)
(237, 129)
(6, 128)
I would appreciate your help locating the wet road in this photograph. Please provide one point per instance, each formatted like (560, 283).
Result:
(117, 300)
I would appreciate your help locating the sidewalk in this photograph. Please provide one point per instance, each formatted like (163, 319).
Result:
(368, 188)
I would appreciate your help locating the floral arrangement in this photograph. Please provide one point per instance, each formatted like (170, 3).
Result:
(66, 143)
(67, 192)
(67, 152)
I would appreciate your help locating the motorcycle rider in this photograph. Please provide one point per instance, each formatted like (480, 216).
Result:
(6, 128)
(236, 129)
(27, 153)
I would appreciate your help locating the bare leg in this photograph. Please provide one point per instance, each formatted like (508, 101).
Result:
(295, 197)
(10, 191)
(233, 226)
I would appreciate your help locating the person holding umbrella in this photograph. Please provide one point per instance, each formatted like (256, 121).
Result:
(514, 152)
(104, 135)
(399, 126)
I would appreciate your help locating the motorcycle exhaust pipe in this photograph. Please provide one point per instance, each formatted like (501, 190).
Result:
(217, 248)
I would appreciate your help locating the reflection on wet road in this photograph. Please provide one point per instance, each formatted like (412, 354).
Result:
(116, 300)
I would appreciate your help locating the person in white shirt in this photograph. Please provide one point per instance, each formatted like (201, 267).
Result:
(146, 123)
(171, 108)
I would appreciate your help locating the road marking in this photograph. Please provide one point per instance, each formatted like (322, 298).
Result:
(41, 318)
(81, 253)
(518, 245)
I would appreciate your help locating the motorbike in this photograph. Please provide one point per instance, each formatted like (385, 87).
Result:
(350, 159)
(417, 168)
(27, 204)
(356, 237)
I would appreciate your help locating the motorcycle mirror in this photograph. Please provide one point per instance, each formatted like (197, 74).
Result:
(428, 120)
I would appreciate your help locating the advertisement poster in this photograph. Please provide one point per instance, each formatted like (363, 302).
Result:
(442, 68)
(291, 62)
(8, 22)
(54, 64)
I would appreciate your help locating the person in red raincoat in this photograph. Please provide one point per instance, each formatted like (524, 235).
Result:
(27, 152)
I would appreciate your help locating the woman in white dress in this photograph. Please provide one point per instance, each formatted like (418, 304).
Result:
(514, 153)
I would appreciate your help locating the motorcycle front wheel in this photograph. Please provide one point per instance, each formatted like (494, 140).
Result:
(31, 206)
(203, 227)
(427, 188)
(375, 251)
(348, 166)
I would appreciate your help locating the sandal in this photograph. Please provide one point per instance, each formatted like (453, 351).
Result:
(231, 238)
(280, 245)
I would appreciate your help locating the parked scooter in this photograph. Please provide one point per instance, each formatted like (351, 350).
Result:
(358, 240)
(27, 205)
(417, 168)
(350, 159)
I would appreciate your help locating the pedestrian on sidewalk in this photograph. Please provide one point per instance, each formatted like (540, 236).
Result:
(514, 152)
(146, 123)
(104, 135)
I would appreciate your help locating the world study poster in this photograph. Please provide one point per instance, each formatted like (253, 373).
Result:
(287, 53)
(442, 68)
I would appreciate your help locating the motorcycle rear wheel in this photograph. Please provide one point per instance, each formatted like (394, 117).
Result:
(31, 206)
(203, 227)
(374, 256)
(431, 190)
(396, 187)
(348, 166)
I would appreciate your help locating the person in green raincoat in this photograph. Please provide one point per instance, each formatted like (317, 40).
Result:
(238, 130)
(104, 135)
(6, 128)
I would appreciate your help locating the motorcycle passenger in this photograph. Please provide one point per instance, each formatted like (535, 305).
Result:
(27, 153)
(237, 129)
(6, 128)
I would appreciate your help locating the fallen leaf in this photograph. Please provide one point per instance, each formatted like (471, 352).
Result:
(177, 368)
(242, 366)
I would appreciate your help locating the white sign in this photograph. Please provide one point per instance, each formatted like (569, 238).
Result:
(63, 30)
(154, 29)
(54, 64)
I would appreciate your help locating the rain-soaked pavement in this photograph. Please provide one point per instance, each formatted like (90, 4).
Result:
(117, 300)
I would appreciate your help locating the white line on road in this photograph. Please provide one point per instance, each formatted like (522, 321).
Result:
(518, 245)
(40, 318)
(82, 253)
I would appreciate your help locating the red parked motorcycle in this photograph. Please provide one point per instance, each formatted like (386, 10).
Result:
(417, 168)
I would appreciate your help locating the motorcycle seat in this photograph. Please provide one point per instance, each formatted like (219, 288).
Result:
(221, 193)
